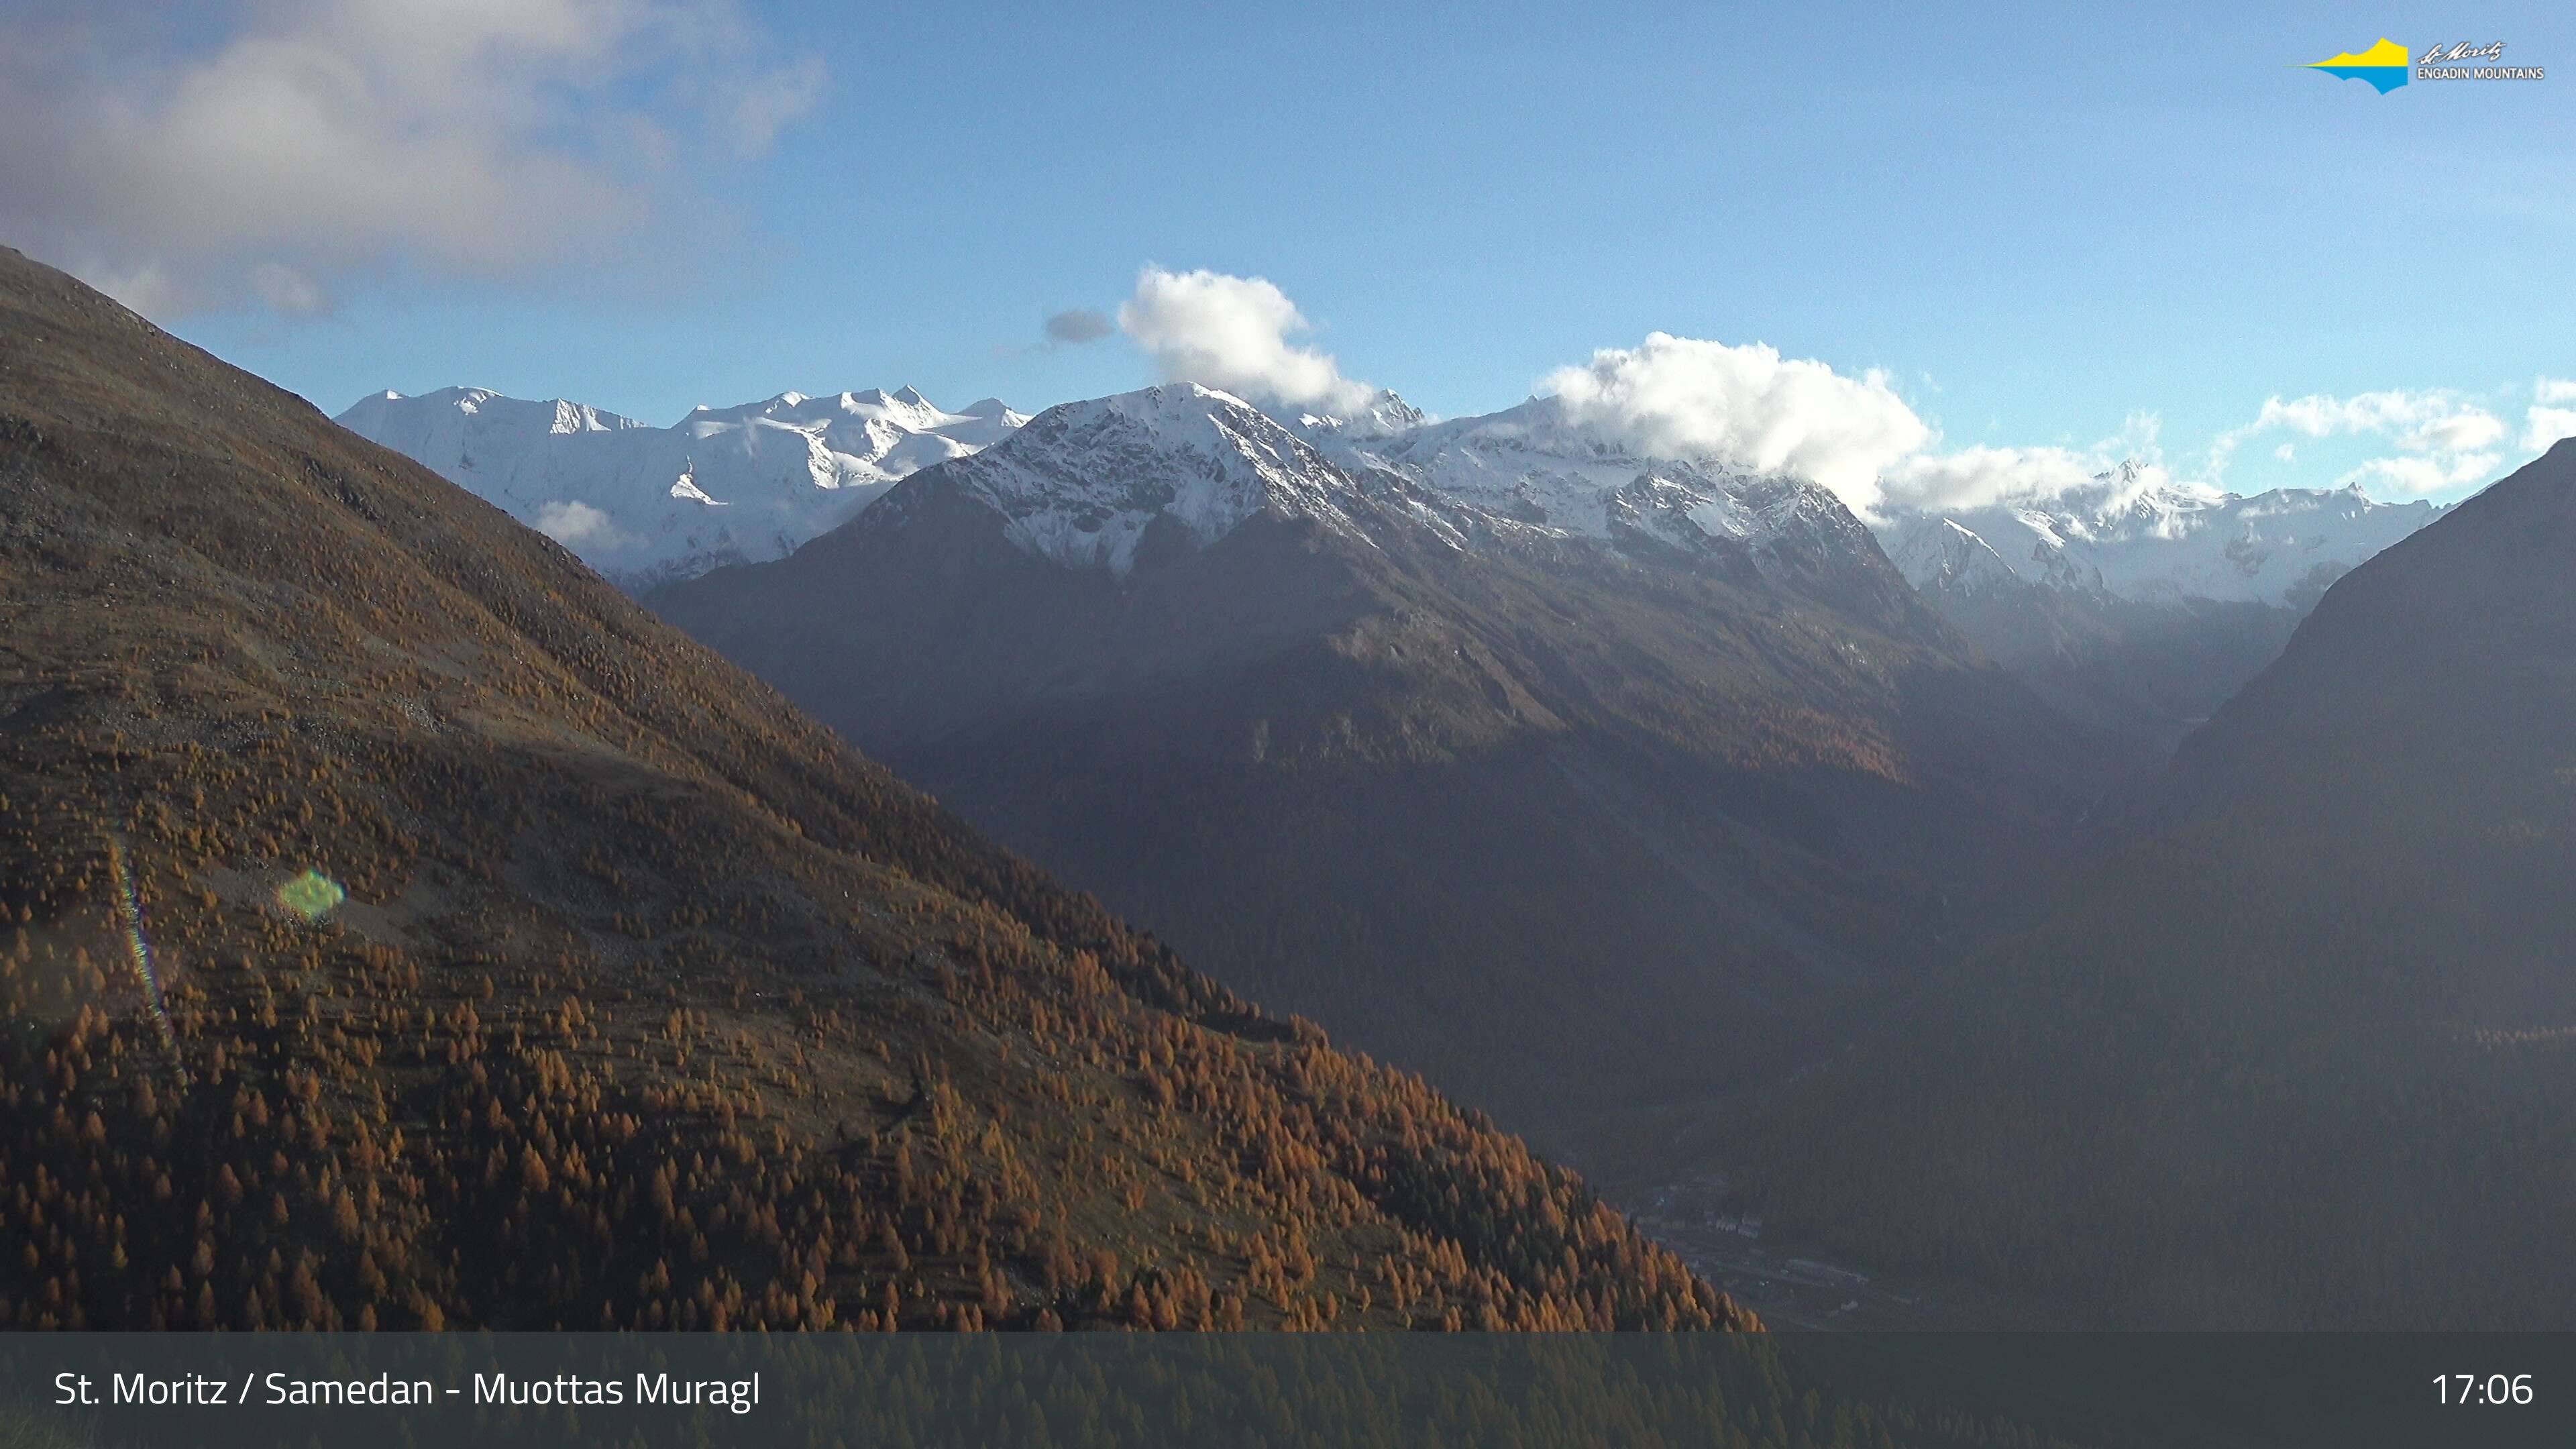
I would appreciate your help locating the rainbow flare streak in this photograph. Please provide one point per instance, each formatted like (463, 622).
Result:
(129, 910)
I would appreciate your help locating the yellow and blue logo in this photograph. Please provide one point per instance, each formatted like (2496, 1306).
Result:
(2384, 65)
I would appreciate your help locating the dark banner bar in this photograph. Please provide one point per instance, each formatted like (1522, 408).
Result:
(1866, 1390)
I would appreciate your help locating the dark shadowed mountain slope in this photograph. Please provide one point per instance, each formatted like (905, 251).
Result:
(2148, 671)
(1568, 817)
(398, 926)
(2138, 604)
(2301, 1046)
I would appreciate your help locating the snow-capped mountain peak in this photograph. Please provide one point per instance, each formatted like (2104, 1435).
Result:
(1534, 467)
(448, 428)
(2132, 533)
(1086, 483)
(1384, 415)
(1083, 483)
(645, 505)
(1940, 555)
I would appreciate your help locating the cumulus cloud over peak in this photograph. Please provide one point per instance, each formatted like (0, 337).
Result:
(1853, 433)
(1981, 476)
(1232, 333)
(1747, 405)
(1848, 432)
(2552, 414)
(2107, 476)
(185, 166)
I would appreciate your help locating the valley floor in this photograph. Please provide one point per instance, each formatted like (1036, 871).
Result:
(1763, 1265)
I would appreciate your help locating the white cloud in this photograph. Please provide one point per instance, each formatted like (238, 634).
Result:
(2461, 432)
(1231, 333)
(2140, 432)
(2424, 475)
(1748, 405)
(2547, 426)
(1852, 433)
(288, 292)
(147, 287)
(1980, 476)
(2419, 420)
(2548, 420)
(2444, 441)
(1076, 326)
(1856, 436)
(770, 102)
(314, 139)
(576, 525)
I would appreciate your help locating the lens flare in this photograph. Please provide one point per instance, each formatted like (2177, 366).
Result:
(310, 896)
(138, 947)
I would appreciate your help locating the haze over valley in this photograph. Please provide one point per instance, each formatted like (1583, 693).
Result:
(715, 664)
(1668, 805)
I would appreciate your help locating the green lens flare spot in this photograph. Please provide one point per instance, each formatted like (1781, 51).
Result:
(311, 895)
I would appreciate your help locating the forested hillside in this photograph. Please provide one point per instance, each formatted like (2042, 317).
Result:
(399, 928)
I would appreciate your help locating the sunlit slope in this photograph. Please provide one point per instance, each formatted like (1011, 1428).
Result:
(404, 929)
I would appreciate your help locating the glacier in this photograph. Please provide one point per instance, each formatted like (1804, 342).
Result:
(645, 505)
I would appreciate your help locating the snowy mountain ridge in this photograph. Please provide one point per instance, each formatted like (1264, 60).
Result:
(645, 505)
(1088, 480)
(1085, 484)
(648, 505)
(2131, 536)
(1533, 466)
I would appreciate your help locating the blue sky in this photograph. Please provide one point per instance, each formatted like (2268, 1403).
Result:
(2037, 221)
